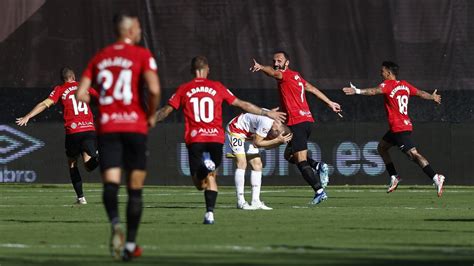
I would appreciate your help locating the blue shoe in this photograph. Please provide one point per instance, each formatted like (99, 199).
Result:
(323, 172)
(209, 218)
(208, 163)
(319, 197)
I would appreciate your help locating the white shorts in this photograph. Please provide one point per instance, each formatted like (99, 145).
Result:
(239, 145)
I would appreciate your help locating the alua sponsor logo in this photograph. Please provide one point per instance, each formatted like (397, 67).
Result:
(304, 113)
(119, 117)
(208, 131)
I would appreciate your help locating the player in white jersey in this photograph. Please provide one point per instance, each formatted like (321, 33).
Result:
(246, 134)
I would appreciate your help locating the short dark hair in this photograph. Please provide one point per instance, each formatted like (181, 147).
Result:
(391, 66)
(198, 62)
(118, 18)
(287, 56)
(66, 73)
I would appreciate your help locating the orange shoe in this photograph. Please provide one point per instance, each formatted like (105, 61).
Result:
(128, 256)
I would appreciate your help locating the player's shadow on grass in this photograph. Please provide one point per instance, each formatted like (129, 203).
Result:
(49, 221)
(173, 207)
(466, 220)
(276, 255)
(414, 229)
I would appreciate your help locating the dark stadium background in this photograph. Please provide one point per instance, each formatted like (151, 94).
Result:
(331, 42)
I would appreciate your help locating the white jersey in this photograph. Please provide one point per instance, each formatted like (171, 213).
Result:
(245, 125)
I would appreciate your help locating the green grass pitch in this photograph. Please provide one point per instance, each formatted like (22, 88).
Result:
(358, 225)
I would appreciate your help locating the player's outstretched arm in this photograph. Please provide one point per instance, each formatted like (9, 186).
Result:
(268, 70)
(82, 93)
(368, 91)
(40, 107)
(433, 97)
(154, 95)
(333, 105)
(252, 108)
(164, 112)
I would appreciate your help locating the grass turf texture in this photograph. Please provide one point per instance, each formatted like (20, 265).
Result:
(39, 225)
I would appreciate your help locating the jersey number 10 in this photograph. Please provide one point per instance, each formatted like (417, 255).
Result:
(199, 109)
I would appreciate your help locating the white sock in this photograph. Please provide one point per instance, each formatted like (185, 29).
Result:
(130, 246)
(239, 184)
(256, 181)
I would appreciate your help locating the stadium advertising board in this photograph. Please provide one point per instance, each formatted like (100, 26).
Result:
(16, 145)
(36, 154)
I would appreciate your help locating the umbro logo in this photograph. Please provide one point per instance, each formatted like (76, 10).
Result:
(15, 144)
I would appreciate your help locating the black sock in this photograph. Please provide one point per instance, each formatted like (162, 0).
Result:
(429, 171)
(110, 199)
(314, 164)
(391, 169)
(76, 181)
(210, 196)
(134, 213)
(308, 175)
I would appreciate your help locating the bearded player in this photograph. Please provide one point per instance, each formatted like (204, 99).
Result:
(292, 88)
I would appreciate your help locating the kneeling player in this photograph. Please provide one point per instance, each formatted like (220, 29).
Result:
(246, 133)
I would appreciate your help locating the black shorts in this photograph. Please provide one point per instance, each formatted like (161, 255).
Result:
(78, 143)
(195, 151)
(301, 133)
(127, 150)
(400, 139)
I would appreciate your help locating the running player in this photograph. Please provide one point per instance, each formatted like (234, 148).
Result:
(246, 134)
(119, 69)
(396, 95)
(292, 88)
(78, 124)
(201, 100)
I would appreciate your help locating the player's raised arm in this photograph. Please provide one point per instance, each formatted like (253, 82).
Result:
(433, 97)
(154, 95)
(252, 108)
(268, 70)
(333, 105)
(82, 93)
(40, 107)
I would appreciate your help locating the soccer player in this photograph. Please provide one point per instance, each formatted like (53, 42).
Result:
(201, 99)
(292, 88)
(119, 69)
(78, 124)
(396, 95)
(246, 134)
